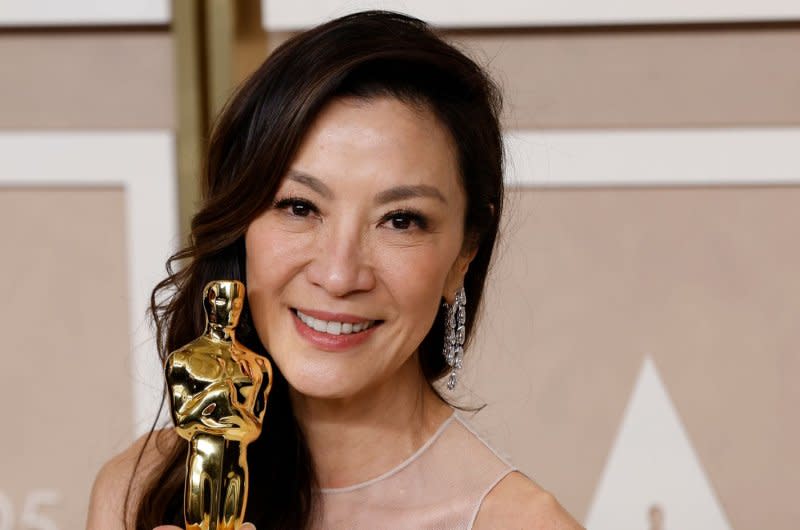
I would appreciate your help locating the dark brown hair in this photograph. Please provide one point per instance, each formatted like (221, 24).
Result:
(364, 55)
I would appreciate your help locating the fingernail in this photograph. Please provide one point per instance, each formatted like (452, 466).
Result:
(248, 526)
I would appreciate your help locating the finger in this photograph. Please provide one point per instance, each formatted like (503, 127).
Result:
(167, 527)
(248, 526)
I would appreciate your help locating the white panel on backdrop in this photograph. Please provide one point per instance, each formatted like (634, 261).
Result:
(653, 157)
(281, 15)
(653, 478)
(83, 12)
(143, 163)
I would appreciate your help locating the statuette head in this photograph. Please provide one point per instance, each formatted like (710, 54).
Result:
(222, 301)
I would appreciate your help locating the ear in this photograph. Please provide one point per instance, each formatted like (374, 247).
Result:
(455, 277)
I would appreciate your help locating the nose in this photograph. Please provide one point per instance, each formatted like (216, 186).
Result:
(340, 264)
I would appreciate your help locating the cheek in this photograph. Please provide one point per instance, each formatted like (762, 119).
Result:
(415, 278)
(263, 242)
(273, 259)
(271, 253)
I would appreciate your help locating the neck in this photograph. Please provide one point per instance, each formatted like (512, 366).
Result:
(361, 437)
(218, 332)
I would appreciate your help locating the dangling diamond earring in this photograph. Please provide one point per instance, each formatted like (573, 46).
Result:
(454, 335)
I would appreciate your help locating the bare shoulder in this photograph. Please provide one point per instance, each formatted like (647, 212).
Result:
(106, 506)
(518, 503)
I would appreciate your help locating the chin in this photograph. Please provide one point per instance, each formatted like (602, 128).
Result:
(315, 380)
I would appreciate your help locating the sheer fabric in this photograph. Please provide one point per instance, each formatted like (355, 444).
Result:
(440, 487)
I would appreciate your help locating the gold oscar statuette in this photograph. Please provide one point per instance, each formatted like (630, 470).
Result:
(218, 394)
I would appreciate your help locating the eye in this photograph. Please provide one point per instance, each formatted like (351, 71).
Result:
(404, 219)
(296, 206)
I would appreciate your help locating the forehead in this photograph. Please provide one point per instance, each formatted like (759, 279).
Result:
(381, 141)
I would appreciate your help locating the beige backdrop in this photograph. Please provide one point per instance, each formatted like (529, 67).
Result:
(64, 254)
(701, 280)
(66, 371)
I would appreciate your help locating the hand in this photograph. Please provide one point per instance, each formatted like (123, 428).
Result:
(245, 526)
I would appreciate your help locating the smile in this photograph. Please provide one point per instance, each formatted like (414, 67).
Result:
(336, 336)
(332, 327)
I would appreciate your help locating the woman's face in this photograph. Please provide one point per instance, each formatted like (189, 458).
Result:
(366, 230)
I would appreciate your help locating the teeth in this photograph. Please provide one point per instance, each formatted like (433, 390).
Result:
(334, 328)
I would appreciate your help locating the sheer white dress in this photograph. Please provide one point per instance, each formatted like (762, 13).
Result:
(440, 487)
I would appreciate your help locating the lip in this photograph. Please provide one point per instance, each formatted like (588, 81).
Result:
(331, 343)
(336, 317)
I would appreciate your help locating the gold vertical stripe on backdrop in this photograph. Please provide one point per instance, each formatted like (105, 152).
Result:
(192, 121)
(250, 39)
(205, 37)
(219, 29)
(218, 43)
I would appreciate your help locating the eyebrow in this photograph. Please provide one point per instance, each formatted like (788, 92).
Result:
(398, 193)
(312, 182)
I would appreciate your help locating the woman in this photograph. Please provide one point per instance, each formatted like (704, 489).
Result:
(354, 183)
